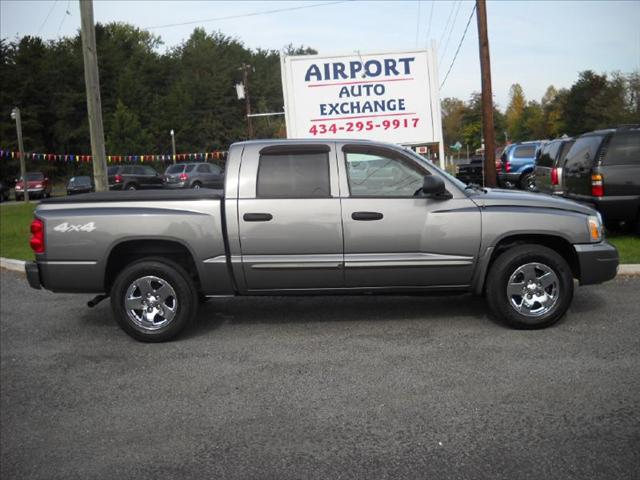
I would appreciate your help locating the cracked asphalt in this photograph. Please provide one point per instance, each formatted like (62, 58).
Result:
(321, 388)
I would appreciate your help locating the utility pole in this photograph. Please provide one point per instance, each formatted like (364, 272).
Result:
(245, 78)
(94, 106)
(173, 145)
(15, 114)
(487, 97)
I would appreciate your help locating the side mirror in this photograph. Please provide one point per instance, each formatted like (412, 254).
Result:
(433, 187)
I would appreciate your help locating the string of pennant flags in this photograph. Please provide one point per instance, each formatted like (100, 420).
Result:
(218, 155)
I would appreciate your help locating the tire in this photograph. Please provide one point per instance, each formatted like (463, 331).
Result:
(131, 186)
(173, 308)
(528, 182)
(196, 185)
(522, 267)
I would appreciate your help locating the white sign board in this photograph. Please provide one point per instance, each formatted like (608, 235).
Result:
(390, 97)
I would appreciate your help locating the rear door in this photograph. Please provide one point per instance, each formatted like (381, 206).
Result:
(289, 217)
(217, 177)
(620, 165)
(393, 237)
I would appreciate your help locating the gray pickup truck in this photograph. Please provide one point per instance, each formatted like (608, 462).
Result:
(315, 217)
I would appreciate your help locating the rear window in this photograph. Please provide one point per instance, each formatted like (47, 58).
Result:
(80, 181)
(294, 175)
(34, 176)
(623, 149)
(112, 170)
(566, 146)
(548, 154)
(175, 169)
(524, 151)
(583, 152)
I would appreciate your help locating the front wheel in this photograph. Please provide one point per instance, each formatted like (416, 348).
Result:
(529, 287)
(153, 300)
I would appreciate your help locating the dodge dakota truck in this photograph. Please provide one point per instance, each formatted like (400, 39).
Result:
(318, 217)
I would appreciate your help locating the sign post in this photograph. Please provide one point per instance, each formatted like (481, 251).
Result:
(390, 97)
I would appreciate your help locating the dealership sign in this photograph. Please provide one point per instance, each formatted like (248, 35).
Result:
(389, 97)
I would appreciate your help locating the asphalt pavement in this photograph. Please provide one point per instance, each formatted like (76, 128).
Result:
(321, 388)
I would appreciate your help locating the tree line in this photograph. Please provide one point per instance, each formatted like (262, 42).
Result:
(145, 93)
(593, 102)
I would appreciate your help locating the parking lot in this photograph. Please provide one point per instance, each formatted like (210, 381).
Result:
(321, 387)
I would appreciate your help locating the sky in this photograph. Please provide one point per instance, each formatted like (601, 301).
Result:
(534, 43)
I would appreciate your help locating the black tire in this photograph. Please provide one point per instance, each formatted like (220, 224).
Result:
(528, 182)
(176, 277)
(507, 264)
(131, 186)
(196, 185)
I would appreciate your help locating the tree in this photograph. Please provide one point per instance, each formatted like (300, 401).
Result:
(125, 135)
(514, 112)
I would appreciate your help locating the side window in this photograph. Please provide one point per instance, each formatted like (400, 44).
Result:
(583, 153)
(203, 168)
(624, 149)
(189, 168)
(215, 169)
(549, 153)
(294, 175)
(566, 146)
(525, 151)
(139, 170)
(378, 175)
(149, 171)
(127, 170)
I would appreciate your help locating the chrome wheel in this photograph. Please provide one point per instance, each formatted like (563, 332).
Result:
(533, 289)
(151, 302)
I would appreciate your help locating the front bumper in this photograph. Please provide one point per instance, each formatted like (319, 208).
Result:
(598, 262)
(33, 275)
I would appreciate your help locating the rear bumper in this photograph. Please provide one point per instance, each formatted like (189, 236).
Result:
(613, 207)
(171, 186)
(598, 262)
(33, 275)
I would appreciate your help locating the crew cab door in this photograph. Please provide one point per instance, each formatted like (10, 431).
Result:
(289, 217)
(392, 236)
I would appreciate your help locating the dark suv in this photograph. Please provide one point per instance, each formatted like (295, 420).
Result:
(603, 169)
(194, 175)
(133, 177)
(549, 164)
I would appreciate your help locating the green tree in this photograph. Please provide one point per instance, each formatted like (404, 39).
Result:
(125, 134)
(514, 113)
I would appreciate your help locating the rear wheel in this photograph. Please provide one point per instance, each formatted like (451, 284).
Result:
(196, 185)
(528, 182)
(131, 186)
(153, 300)
(529, 286)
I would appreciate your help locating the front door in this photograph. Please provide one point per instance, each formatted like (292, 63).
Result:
(393, 237)
(289, 217)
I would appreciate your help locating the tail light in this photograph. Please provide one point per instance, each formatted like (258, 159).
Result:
(184, 177)
(498, 166)
(37, 236)
(507, 167)
(597, 185)
(118, 178)
(554, 176)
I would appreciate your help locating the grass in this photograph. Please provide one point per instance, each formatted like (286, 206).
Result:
(14, 230)
(15, 220)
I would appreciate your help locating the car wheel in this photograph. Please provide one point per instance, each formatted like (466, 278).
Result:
(529, 287)
(528, 182)
(131, 186)
(153, 300)
(196, 185)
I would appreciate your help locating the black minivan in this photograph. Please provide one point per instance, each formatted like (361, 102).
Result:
(602, 168)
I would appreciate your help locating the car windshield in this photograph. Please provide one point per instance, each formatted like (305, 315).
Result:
(33, 177)
(80, 181)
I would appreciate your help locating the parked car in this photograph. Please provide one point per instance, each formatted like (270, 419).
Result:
(194, 175)
(5, 190)
(472, 172)
(38, 186)
(516, 166)
(295, 218)
(602, 169)
(133, 177)
(82, 184)
(549, 164)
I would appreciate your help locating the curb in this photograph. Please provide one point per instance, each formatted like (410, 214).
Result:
(18, 266)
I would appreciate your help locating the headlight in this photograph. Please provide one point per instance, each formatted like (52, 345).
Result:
(596, 231)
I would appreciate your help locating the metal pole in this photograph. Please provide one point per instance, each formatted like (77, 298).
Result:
(247, 101)
(173, 145)
(15, 113)
(94, 107)
(487, 97)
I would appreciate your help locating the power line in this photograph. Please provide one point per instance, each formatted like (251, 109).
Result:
(46, 18)
(433, 2)
(252, 14)
(64, 16)
(459, 45)
(453, 24)
(446, 25)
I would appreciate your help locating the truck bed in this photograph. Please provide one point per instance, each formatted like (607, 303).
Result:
(140, 196)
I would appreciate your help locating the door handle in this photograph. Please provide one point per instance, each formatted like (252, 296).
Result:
(257, 217)
(367, 216)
